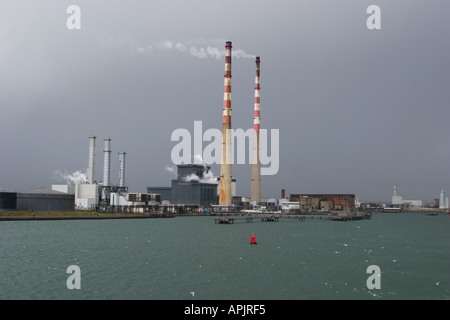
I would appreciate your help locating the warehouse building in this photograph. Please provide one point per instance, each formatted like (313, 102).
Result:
(37, 200)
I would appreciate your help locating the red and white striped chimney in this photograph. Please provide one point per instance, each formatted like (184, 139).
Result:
(225, 197)
(257, 114)
(256, 165)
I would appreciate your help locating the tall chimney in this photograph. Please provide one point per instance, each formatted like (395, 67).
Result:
(122, 169)
(106, 162)
(283, 194)
(256, 165)
(225, 167)
(91, 160)
(442, 200)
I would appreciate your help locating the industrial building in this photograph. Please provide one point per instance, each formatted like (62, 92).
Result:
(37, 200)
(8, 200)
(400, 202)
(88, 195)
(325, 202)
(191, 187)
(104, 195)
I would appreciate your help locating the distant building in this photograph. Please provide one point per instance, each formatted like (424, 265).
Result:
(194, 185)
(86, 196)
(288, 206)
(324, 202)
(396, 199)
(400, 202)
(443, 200)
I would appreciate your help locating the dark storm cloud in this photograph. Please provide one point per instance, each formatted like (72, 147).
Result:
(358, 110)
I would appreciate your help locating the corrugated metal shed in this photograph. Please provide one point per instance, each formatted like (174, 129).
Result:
(45, 200)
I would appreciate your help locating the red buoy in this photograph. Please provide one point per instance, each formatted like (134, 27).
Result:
(253, 239)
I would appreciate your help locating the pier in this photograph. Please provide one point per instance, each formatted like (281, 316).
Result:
(230, 218)
(224, 220)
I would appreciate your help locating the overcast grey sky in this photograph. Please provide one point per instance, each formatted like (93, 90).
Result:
(357, 110)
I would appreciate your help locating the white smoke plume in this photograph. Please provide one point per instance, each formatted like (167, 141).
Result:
(171, 169)
(199, 48)
(203, 52)
(76, 177)
(208, 175)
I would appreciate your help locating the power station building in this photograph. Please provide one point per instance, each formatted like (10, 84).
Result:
(91, 194)
(192, 186)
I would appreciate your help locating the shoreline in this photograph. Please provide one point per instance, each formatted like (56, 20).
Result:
(89, 215)
(27, 216)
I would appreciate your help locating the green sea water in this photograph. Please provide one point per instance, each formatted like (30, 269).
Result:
(193, 258)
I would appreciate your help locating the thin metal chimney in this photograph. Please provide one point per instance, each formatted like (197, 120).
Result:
(256, 165)
(106, 162)
(122, 169)
(225, 167)
(91, 160)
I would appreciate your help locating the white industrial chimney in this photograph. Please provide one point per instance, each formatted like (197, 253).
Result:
(122, 169)
(91, 159)
(106, 162)
(442, 200)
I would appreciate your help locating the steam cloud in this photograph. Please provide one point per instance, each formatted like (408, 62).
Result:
(201, 52)
(204, 52)
(76, 177)
(199, 48)
(208, 176)
(171, 169)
